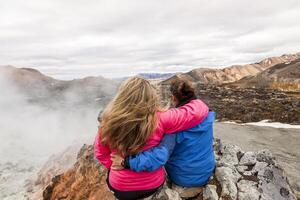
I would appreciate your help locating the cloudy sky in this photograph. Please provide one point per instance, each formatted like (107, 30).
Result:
(74, 38)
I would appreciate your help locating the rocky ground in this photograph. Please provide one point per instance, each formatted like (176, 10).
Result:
(283, 143)
(247, 105)
(239, 175)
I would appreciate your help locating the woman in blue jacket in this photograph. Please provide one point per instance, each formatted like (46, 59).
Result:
(188, 156)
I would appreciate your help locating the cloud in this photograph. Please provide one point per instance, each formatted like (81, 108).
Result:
(115, 38)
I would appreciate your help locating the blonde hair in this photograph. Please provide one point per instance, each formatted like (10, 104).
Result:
(130, 118)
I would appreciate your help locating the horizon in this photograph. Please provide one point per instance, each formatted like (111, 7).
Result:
(121, 38)
(73, 75)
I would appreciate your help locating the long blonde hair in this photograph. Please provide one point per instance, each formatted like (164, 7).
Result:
(130, 118)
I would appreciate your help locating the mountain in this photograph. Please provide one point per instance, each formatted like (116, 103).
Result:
(43, 89)
(156, 75)
(284, 76)
(232, 73)
(153, 77)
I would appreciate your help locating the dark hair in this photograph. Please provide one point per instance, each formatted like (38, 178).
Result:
(183, 91)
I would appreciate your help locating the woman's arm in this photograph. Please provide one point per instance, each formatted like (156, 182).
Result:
(153, 158)
(102, 152)
(184, 117)
(149, 160)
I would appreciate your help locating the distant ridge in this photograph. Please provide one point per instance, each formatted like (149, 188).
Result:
(283, 76)
(149, 76)
(232, 73)
(44, 89)
(156, 75)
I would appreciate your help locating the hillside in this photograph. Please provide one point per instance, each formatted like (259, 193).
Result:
(284, 76)
(42, 89)
(232, 73)
(245, 104)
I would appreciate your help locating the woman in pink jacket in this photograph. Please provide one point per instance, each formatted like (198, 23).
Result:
(133, 122)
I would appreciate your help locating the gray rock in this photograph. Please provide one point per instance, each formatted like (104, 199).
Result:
(228, 178)
(165, 194)
(274, 184)
(259, 166)
(248, 159)
(247, 173)
(185, 192)
(172, 195)
(241, 168)
(230, 155)
(247, 190)
(210, 193)
(265, 155)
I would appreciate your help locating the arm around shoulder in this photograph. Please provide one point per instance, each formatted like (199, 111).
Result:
(153, 158)
(184, 117)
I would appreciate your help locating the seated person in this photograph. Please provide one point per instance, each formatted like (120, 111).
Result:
(188, 155)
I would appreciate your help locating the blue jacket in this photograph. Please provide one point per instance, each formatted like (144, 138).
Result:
(188, 156)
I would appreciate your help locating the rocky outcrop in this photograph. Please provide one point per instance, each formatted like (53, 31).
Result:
(85, 180)
(56, 164)
(232, 73)
(238, 176)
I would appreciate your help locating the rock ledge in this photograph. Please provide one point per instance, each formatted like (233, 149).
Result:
(238, 176)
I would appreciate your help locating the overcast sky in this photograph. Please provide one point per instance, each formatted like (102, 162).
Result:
(74, 38)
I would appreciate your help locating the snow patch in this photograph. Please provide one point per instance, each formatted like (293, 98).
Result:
(266, 123)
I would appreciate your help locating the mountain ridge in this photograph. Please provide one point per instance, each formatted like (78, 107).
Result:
(232, 73)
(283, 76)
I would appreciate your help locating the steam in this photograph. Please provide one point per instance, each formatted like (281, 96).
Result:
(39, 131)
(30, 133)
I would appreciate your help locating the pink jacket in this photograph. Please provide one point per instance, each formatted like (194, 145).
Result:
(171, 121)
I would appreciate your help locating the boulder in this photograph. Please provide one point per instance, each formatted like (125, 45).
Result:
(230, 155)
(187, 192)
(248, 159)
(274, 184)
(266, 156)
(210, 193)
(241, 169)
(171, 194)
(228, 178)
(248, 190)
(259, 166)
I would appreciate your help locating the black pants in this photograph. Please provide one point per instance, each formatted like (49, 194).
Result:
(131, 195)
